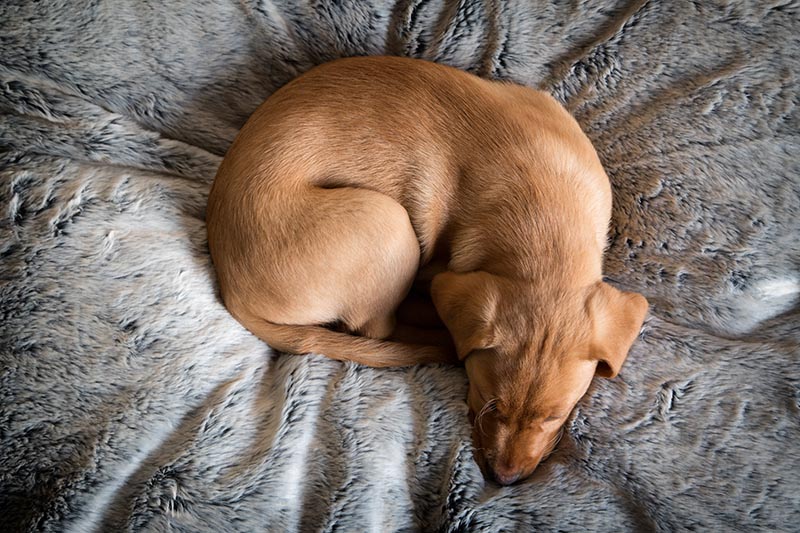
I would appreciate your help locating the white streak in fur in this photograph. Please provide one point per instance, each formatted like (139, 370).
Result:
(389, 469)
(102, 500)
(778, 288)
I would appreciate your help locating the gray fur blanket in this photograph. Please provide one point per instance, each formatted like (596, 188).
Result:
(130, 399)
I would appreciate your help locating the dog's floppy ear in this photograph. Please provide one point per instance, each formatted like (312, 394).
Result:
(466, 303)
(616, 317)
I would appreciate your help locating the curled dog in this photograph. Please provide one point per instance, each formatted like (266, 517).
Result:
(351, 178)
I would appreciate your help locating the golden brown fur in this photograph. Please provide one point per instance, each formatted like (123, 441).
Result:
(349, 179)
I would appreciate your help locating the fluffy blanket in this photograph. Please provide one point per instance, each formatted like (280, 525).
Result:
(130, 399)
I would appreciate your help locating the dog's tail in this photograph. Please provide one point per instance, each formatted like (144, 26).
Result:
(345, 347)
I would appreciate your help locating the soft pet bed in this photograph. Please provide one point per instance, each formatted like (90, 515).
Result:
(131, 400)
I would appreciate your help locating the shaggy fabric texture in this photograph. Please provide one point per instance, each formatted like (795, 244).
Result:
(130, 399)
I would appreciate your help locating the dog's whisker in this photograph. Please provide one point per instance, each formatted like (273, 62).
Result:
(489, 406)
(553, 443)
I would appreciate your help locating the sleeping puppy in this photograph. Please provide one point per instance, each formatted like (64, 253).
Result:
(352, 177)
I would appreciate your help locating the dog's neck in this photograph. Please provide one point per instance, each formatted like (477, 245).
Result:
(565, 250)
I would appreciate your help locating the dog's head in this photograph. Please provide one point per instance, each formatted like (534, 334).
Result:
(530, 356)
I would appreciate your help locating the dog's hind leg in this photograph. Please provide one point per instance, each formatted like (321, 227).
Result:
(379, 327)
(344, 254)
(382, 258)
